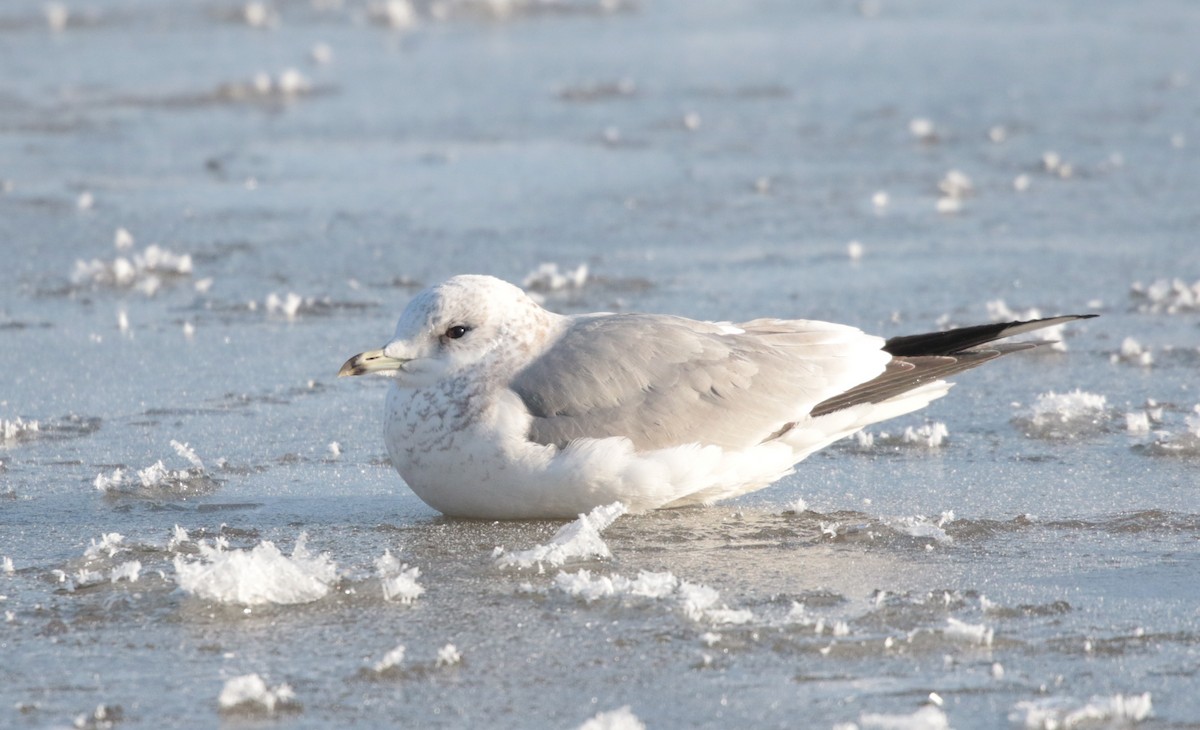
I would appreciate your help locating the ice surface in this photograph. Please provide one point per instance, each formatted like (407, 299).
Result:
(618, 719)
(399, 175)
(399, 581)
(262, 575)
(1064, 713)
(579, 539)
(249, 694)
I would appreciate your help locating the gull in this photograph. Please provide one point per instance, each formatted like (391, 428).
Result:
(500, 409)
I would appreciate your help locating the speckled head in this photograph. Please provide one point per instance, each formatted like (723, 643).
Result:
(465, 323)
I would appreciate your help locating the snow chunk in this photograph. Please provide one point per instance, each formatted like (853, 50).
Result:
(619, 719)
(145, 272)
(188, 454)
(399, 581)
(109, 545)
(1062, 713)
(578, 539)
(699, 603)
(923, 129)
(448, 656)
(977, 634)
(926, 436)
(157, 481)
(1066, 415)
(129, 571)
(390, 660)
(288, 306)
(396, 14)
(17, 430)
(1137, 423)
(956, 185)
(249, 693)
(1169, 296)
(921, 526)
(255, 577)
(57, 16)
(547, 278)
(928, 717)
(1132, 352)
(583, 585)
(1185, 444)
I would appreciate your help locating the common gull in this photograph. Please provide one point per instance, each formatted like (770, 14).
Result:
(500, 409)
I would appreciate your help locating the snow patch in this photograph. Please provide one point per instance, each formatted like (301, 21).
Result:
(926, 436)
(1062, 713)
(928, 717)
(618, 719)
(448, 656)
(698, 602)
(1166, 443)
(1167, 296)
(17, 429)
(923, 527)
(249, 694)
(144, 272)
(1132, 352)
(976, 634)
(128, 571)
(157, 481)
(547, 278)
(578, 539)
(390, 661)
(1066, 415)
(398, 580)
(262, 575)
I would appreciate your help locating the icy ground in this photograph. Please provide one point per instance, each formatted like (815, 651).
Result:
(206, 207)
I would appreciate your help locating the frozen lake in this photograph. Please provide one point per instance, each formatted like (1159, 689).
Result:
(206, 207)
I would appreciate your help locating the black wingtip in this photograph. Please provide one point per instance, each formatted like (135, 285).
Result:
(964, 338)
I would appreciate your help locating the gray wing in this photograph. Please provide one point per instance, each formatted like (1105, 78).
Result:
(665, 381)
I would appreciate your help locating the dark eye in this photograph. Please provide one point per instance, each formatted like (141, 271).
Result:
(457, 331)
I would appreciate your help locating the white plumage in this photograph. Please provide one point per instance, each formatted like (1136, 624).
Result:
(503, 410)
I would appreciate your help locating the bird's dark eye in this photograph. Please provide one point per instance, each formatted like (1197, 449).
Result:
(457, 331)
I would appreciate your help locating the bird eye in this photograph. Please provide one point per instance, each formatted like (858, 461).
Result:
(457, 331)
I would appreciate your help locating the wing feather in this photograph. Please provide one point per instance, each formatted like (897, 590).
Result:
(667, 381)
